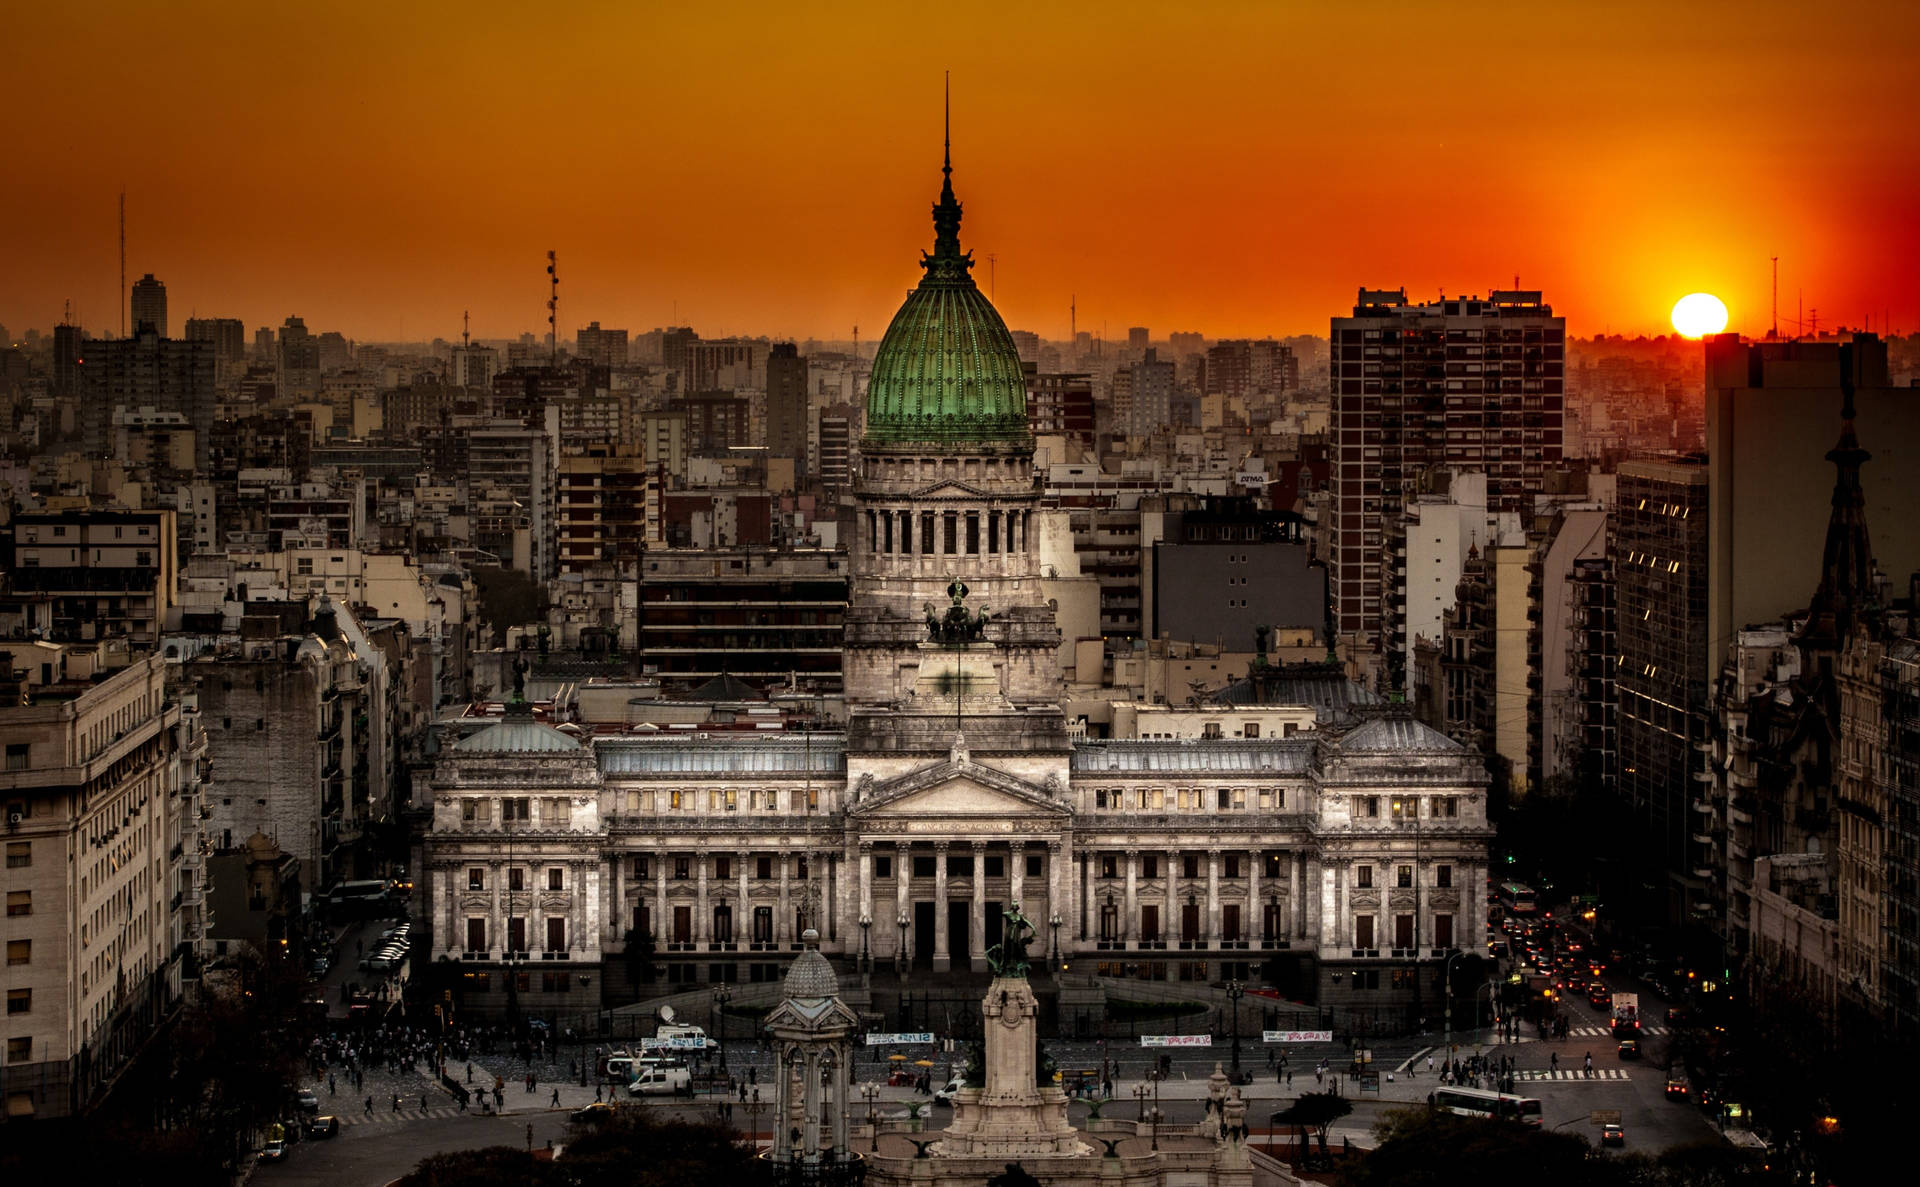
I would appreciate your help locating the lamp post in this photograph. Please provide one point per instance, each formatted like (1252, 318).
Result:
(721, 996)
(1140, 1093)
(1446, 975)
(900, 948)
(866, 959)
(1154, 1076)
(871, 1091)
(1054, 923)
(1235, 991)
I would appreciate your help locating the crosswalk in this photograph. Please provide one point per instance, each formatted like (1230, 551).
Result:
(1593, 1032)
(1573, 1074)
(386, 1116)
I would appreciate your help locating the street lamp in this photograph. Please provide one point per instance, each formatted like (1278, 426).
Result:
(1154, 1076)
(900, 949)
(866, 960)
(1235, 991)
(721, 996)
(1054, 923)
(871, 1091)
(1140, 1093)
(1446, 975)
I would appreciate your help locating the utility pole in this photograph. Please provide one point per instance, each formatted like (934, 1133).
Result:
(553, 309)
(1774, 333)
(122, 302)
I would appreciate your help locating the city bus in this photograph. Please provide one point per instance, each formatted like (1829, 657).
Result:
(366, 899)
(1477, 1102)
(1517, 898)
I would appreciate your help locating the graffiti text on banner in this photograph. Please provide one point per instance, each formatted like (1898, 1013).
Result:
(1176, 1040)
(900, 1040)
(1296, 1036)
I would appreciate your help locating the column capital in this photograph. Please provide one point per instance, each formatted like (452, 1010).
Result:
(978, 846)
(1132, 853)
(1054, 847)
(866, 846)
(1213, 853)
(942, 846)
(1016, 844)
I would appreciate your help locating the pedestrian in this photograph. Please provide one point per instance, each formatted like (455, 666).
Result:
(1269, 1060)
(396, 1102)
(1553, 1061)
(1589, 1068)
(330, 1088)
(556, 1098)
(743, 1092)
(596, 1094)
(369, 1105)
(1429, 1065)
(1289, 1079)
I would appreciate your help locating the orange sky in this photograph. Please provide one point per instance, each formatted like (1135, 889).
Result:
(1228, 168)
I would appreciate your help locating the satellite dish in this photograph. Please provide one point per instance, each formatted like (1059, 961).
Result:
(666, 1013)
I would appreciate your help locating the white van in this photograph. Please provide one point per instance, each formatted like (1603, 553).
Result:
(661, 1079)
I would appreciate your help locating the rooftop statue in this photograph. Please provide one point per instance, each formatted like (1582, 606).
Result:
(1008, 958)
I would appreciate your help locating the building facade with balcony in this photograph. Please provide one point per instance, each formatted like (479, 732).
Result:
(105, 873)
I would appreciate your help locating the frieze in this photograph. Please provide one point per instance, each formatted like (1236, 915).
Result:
(1404, 898)
(1366, 898)
(1446, 898)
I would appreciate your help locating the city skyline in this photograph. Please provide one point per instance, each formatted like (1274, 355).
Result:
(385, 189)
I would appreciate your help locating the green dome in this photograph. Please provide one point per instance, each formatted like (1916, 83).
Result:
(947, 370)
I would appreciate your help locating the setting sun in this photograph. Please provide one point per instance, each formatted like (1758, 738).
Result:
(1698, 314)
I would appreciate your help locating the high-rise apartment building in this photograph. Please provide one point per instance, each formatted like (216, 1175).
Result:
(299, 360)
(1152, 408)
(1464, 383)
(474, 366)
(787, 405)
(1137, 339)
(1659, 553)
(608, 348)
(105, 875)
(147, 371)
(147, 305)
(228, 335)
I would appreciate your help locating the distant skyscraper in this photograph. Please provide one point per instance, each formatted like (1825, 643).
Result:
(1152, 395)
(787, 404)
(607, 348)
(1659, 554)
(149, 304)
(1465, 383)
(69, 348)
(228, 335)
(1137, 339)
(264, 351)
(299, 359)
(147, 371)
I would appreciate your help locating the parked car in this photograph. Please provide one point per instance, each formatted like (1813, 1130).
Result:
(324, 1126)
(309, 1100)
(592, 1114)
(273, 1151)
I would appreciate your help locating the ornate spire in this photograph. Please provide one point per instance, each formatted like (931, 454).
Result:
(1845, 598)
(947, 262)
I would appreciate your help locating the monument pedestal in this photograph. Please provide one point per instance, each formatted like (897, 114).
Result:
(1011, 1116)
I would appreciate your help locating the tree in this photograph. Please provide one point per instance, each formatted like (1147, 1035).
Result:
(634, 1150)
(494, 1166)
(1316, 1111)
(1424, 1148)
(508, 598)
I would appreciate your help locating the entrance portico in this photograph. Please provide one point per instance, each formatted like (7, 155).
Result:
(943, 848)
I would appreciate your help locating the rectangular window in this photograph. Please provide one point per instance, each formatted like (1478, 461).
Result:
(556, 934)
(1232, 861)
(1189, 865)
(1272, 862)
(1109, 866)
(1223, 798)
(1363, 931)
(555, 878)
(640, 867)
(683, 925)
(20, 1050)
(763, 868)
(1033, 865)
(882, 866)
(723, 868)
(1403, 878)
(959, 866)
(1443, 931)
(763, 925)
(516, 808)
(19, 952)
(1150, 923)
(996, 867)
(16, 756)
(1363, 877)
(516, 879)
(1403, 931)
(19, 854)
(555, 812)
(682, 868)
(19, 902)
(19, 1001)
(1250, 730)
(1230, 922)
(1443, 876)
(517, 934)
(469, 811)
(476, 878)
(476, 935)
(1446, 806)
(1405, 808)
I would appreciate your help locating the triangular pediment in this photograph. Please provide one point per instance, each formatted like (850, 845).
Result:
(957, 789)
(950, 488)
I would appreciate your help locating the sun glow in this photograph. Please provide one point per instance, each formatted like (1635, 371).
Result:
(1698, 314)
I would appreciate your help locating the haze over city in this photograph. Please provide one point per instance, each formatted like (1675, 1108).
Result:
(1233, 169)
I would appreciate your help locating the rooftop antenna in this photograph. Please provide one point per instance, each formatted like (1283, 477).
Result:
(466, 328)
(856, 348)
(123, 262)
(992, 274)
(1774, 333)
(1073, 318)
(553, 308)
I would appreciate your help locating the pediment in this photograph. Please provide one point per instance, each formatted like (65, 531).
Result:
(957, 789)
(950, 488)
